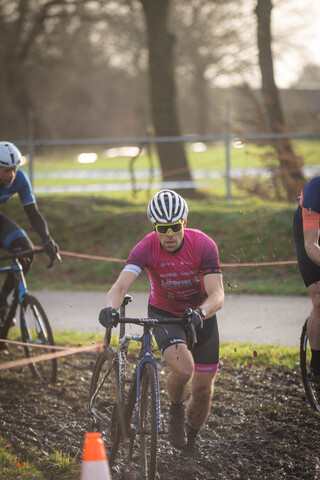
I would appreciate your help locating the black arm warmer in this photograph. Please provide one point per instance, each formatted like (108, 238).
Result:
(37, 221)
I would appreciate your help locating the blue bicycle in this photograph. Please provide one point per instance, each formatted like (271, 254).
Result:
(130, 410)
(34, 324)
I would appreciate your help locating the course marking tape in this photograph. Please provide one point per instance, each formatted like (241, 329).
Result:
(111, 259)
(49, 356)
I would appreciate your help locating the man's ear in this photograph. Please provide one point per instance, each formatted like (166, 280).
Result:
(153, 226)
(185, 222)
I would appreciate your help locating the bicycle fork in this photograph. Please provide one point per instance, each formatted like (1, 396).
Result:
(147, 357)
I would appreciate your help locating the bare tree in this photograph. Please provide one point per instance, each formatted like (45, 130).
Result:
(208, 46)
(161, 43)
(290, 164)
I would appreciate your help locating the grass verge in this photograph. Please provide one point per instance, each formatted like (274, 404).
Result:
(245, 230)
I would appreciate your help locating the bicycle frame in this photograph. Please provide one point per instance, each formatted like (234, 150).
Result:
(121, 413)
(18, 271)
(21, 287)
(146, 351)
(145, 356)
(34, 324)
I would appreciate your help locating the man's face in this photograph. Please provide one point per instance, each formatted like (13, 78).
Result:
(7, 175)
(171, 241)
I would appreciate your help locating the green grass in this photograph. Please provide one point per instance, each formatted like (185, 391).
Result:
(250, 155)
(231, 353)
(247, 230)
(261, 356)
(38, 466)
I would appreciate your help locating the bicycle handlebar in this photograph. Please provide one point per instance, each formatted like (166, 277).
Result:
(17, 255)
(152, 322)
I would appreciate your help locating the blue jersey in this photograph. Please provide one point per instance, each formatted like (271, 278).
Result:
(22, 186)
(310, 195)
(310, 204)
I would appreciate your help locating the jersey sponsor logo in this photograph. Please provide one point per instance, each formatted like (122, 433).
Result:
(176, 284)
(200, 368)
(191, 272)
(167, 264)
(165, 275)
(173, 341)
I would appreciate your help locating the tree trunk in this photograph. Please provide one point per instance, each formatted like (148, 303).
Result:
(173, 160)
(290, 165)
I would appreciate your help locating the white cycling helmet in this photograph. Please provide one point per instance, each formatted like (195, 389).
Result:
(167, 206)
(10, 155)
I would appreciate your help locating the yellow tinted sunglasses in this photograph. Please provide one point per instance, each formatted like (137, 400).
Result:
(163, 229)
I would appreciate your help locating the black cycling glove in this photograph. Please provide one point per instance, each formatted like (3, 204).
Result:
(108, 316)
(195, 317)
(51, 248)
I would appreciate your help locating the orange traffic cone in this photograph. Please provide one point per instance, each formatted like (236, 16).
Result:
(95, 464)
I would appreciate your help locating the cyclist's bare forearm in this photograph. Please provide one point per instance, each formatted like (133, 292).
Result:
(214, 287)
(119, 289)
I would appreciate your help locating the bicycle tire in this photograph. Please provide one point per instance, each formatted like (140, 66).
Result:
(104, 403)
(148, 422)
(6, 326)
(35, 328)
(312, 390)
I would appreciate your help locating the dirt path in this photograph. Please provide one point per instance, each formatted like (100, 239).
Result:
(259, 425)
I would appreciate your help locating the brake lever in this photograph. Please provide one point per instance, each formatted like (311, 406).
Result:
(194, 333)
(192, 329)
(52, 260)
(107, 336)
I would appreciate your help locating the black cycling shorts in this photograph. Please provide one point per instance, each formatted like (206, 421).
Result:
(10, 231)
(309, 270)
(205, 352)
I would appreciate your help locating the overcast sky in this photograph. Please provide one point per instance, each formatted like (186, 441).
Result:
(300, 30)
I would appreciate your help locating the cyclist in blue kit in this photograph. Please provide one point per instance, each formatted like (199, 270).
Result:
(12, 237)
(306, 232)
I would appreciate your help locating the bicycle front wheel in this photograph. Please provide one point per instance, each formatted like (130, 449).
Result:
(148, 422)
(103, 404)
(311, 388)
(36, 330)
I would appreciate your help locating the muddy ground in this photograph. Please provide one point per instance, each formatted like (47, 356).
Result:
(260, 426)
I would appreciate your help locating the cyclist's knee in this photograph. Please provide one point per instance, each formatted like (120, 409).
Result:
(21, 244)
(316, 306)
(203, 393)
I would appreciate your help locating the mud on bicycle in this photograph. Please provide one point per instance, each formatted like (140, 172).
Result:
(34, 324)
(127, 412)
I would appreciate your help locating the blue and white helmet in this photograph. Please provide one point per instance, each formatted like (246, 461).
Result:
(10, 155)
(167, 206)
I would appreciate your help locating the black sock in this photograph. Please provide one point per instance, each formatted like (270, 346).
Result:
(176, 405)
(191, 432)
(315, 361)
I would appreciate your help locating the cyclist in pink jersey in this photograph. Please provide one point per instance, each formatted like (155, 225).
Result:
(184, 271)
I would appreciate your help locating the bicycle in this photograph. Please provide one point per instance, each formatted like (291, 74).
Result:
(130, 413)
(34, 324)
(312, 389)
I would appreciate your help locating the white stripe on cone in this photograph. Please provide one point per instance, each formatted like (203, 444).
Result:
(95, 470)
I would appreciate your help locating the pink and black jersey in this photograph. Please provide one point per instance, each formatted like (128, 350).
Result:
(176, 279)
